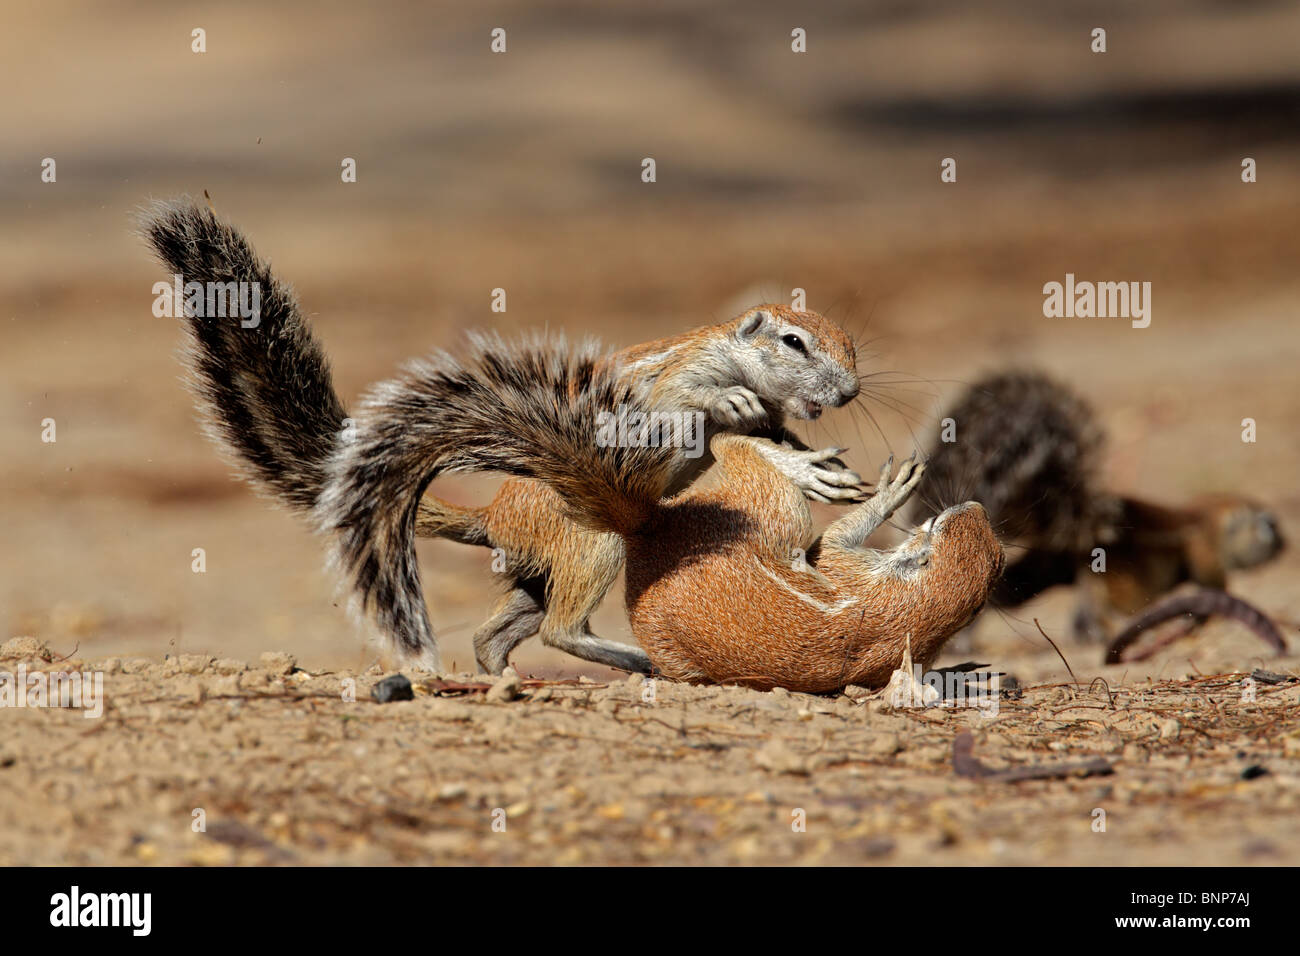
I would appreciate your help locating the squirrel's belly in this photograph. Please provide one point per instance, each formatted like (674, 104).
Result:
(721, 619)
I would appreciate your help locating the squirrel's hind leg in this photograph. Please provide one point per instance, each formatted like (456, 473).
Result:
(754, 485)
(581, 572)
(580, 642)
(517, 617)
(556, 603)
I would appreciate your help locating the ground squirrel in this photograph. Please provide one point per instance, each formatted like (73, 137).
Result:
(726, 584)
(268, 399)
(1031, 451)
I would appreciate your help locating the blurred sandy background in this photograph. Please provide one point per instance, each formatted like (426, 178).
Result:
(522, 170)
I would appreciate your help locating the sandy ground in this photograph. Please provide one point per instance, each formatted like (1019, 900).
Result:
(197, 761)
(522, 172)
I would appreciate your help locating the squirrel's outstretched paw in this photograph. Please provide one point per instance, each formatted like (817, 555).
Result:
(827, 479)
(812, 472)
(891, 493)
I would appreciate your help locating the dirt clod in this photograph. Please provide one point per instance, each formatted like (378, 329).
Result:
(396, 687)
(506, 688)
(24, 647)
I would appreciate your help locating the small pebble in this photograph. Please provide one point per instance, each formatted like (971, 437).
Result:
(885, 745)
(396, 687)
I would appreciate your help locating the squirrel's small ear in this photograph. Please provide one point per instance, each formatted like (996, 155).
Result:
(752, 323)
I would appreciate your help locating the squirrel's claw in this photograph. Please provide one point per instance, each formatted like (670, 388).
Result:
(829, 459)
(830, 494)
(832, 486)
(886, 470)
(892, 493)
(840, 479)
(826, 455)
(739, 409)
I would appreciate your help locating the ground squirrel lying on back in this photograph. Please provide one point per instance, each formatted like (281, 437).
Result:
(269, 400)
(727, 584)
(1031, 451)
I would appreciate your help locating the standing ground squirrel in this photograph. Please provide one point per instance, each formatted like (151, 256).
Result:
(268, 399)
(1031, 451)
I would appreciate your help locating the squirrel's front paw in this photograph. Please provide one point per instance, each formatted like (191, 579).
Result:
(738, 409)
(890, 494)
(820, 475)
(826, 479)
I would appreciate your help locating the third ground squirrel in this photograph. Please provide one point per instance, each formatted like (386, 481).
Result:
(269, 400)
(1031, 451)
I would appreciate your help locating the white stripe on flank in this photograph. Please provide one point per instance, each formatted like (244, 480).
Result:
(828, 609)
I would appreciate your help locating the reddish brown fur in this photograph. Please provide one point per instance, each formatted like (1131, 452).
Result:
(714, 586)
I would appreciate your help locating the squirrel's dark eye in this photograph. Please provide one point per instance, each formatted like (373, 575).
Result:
(795, 343)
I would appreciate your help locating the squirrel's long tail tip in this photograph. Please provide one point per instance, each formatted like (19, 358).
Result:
(260, 378)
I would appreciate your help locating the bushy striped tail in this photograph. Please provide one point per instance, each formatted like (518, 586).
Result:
(265, 392)
(530, 410)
